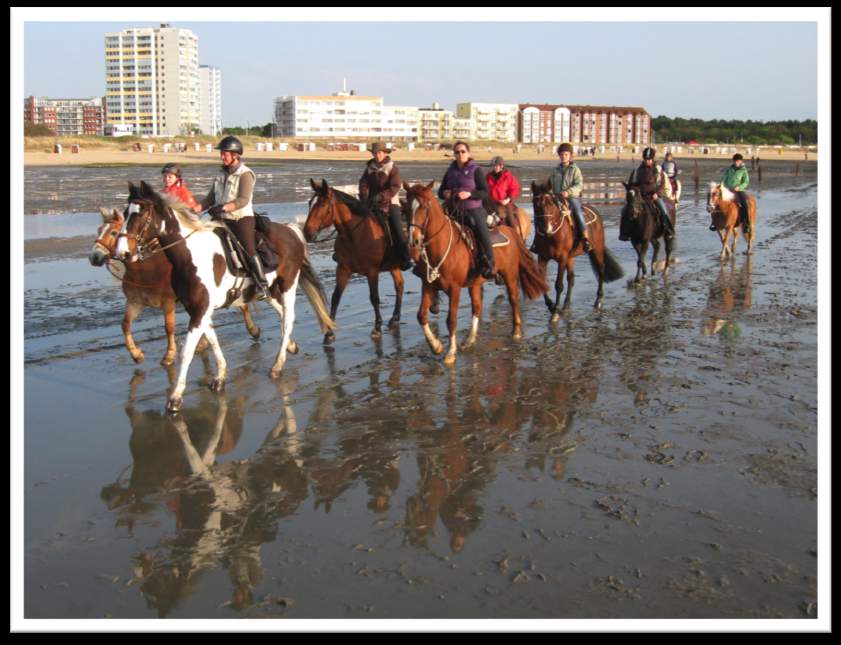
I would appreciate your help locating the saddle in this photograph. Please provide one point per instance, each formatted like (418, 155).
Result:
(235, 255)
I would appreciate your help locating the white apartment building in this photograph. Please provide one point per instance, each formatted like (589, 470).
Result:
(210, 99)
(344, 115)
(442, 126)
(152, 80)
(490, 121)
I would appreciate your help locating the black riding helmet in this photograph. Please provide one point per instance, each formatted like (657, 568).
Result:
(648, 153)
(172, 168)
(230, 144)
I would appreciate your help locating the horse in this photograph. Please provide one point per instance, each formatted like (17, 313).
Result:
(724, 211)
(202, 280)
(515, 217)
(360, 248)
(447, 264)
(641, 222)
(146, 283)
(555, 240)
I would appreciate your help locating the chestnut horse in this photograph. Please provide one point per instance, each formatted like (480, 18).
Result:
(146, 283)
(447, 264)
(360, 248)
(202, 281)
(641, 222)
(724, 210)
(554, 239)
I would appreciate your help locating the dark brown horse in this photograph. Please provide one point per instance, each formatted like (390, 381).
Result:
(641, 223)
(555, 239)
(447, 264)
(146, 283)
(360, 248)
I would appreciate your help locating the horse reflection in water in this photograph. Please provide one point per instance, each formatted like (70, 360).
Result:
(223, 512)
(730, 293)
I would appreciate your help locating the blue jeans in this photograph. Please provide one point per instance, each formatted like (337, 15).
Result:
(577, 214)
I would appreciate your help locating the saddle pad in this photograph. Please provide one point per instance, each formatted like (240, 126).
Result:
(498, 238)
(589, 215)
(233, 258)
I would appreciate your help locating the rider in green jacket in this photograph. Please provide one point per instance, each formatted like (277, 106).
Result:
(736, 180)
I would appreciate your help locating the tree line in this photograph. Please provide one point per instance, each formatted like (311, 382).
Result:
(721, 131)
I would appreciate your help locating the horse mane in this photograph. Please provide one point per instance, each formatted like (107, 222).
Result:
(726, 195)
(185, 215)
(356, 206)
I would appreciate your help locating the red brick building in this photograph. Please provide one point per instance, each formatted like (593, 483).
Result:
(66, 117)
(583, 124)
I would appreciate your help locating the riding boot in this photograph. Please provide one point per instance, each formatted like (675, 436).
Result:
(666, 222)
(260, 281)
(399, 239)
(581, 230)
(483, 239)
(743, 213)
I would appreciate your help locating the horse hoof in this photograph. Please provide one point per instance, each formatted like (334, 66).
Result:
(598, 305)
(255, 333)
(517, 335)
(174, 404)
(450, 359)
(329, 337)
(138, 358)
(292, 347)
(166, 361)
(437, 349)
(217, 384)
(394, 323)
(376, 334)
(555, 317)
(275, 373)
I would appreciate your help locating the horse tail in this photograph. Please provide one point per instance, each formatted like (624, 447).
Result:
(612, 268)
(532, 281)
(315, 294)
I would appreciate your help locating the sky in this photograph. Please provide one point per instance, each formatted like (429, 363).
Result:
(708, 70)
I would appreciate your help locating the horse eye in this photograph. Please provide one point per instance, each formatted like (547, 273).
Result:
(113, 233)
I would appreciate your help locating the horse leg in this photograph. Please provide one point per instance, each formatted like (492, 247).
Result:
(476, 302)
(640, 248)
(374, 294)
(342, 278)
(452, 324)
(599, 255)
(286, 310)
(397, 275)
(187, 352)
(543, 265)
(512, 284)
(570, 282)
(252, 327)
(169, 324)
(133, 310)
(559, 288)
(669, 242)
(655, 243)
(735, 239)
(427, 295)
(722, 233)
(218, 382)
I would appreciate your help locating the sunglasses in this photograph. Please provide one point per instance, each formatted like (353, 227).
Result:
(461, 152)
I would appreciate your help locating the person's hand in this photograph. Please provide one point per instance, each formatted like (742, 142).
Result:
(564, 194)
(737, 189)
(506, 201)
(447, 194)
(216, 212)
(655, 196)
(197, 208)
(464, 195)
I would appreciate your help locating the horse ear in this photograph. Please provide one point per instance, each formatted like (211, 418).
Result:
(146, 189)
(548, 186)
(430, 185)
(406, 186)
(324, 185)
(107, 215)
(313, 184)
(133, 192)
(117, 215)
(533, 188)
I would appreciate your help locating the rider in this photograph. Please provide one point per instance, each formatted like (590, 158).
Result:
(671, 171)
(648, 177)
(174, 185)
(503, 188)
(378, 187)
(736, 180)
(229, 200)
(567, 183)
(464, 186)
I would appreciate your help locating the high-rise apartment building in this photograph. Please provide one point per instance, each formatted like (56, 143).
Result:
(152, 80)
(210, 99)
(65, 117)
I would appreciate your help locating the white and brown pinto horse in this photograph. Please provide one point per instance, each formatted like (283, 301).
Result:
(146, 283)
(201, 279)
(724, 210)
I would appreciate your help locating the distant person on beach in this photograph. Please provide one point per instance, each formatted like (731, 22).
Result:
(378, 188)
(174, 186)
(736, 180)
(230, 200)
(670, 170)
(503, 189)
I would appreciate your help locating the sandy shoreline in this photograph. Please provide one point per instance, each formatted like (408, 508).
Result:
(481, 153)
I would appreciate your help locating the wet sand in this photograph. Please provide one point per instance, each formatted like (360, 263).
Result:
(653, 460)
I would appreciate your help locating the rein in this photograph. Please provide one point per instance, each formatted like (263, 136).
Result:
(552, 233)
(131, 283)
(336, 224)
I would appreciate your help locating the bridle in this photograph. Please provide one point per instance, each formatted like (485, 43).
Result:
(541, 213)
(144, 251)
(423, 241)
(331, 205)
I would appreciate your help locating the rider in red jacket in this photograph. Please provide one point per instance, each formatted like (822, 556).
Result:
(174, 185)
(503, 188)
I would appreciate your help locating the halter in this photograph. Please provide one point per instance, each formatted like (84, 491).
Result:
(142, 250)
(557, 203)
(432, 273)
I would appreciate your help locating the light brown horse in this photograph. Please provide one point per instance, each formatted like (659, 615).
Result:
(360, 248)
(555, 239)
(515, 217)
(146, 283)
(724, 210)
(447, 264)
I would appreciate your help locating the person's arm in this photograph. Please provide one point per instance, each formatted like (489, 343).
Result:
(577, 185)
(443, 187)
(363, 186)
(246, 188)
(394, 186)
(481, 190)
(515, 188)
(188, 198)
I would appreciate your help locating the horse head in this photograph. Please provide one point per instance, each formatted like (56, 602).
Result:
(146, 217)
(546, 207)
(321, 206)
(418, 197)
(106, 237)
(634, 202)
